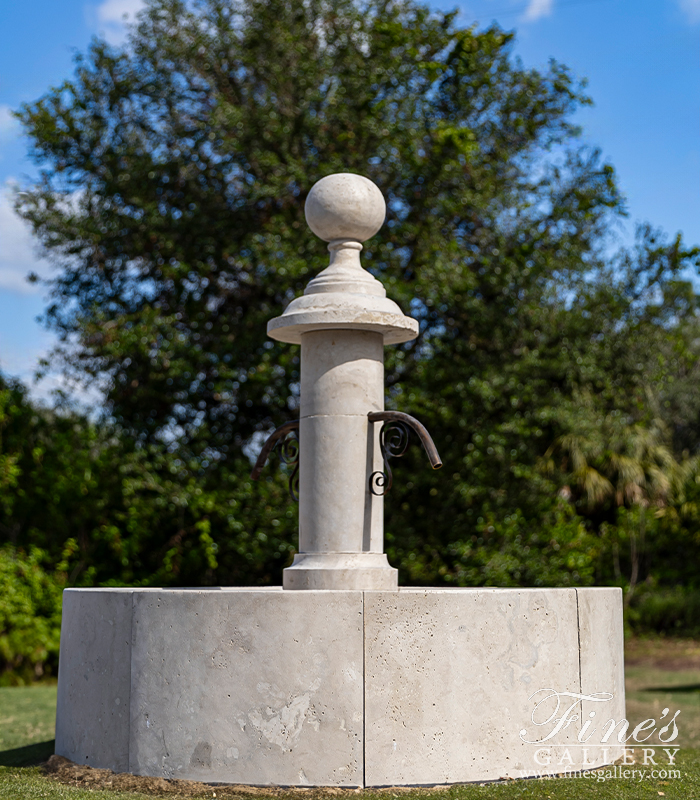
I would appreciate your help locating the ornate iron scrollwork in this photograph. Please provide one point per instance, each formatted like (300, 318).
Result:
(393, 442)
(286, 439)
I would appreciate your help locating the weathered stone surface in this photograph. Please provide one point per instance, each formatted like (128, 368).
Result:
(263, 686)
(602, 670)
(341, 571)
(449, 679)
(338, 514)
(344, 209)
(345, 206)
(94, 680)
(330, 312)
(341, 539)
(342, 321)
(256, 686)
(342, 373)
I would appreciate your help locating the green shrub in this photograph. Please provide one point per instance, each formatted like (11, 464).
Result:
(30, 616)
(673, 612)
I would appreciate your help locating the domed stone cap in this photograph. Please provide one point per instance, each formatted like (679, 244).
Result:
(345, 206)
(344, 209)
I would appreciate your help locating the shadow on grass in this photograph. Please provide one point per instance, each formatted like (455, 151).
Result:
(28, 755)
(690, 687)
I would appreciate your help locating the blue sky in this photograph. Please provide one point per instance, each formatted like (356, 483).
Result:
(641, 58)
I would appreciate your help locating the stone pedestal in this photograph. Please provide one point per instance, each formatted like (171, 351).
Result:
(341, 536)
(333, 688)
(342, 322)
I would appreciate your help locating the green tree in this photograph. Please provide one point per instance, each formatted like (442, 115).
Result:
(611, 466)
(103, 508)
(9, 469)
(30, 615)
(174, 175)
(177, 170)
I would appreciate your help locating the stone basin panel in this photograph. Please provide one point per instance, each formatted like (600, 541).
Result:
(333, 688)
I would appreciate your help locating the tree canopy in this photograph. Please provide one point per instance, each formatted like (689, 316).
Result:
(174, 173)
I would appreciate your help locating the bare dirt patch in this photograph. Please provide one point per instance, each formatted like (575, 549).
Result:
(66, 772)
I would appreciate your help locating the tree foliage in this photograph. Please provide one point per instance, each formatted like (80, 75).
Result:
(175, 170)
(178, 170)
(111, 511)
(30, 615)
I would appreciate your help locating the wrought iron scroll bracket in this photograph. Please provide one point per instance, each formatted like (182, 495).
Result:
(393, 443)
(286, 439)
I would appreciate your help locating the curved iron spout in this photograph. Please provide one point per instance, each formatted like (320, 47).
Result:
(289, 453)
(394, 441)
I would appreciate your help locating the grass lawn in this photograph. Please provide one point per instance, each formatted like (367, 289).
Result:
(27, 720)
(659, 674)
(665, 674)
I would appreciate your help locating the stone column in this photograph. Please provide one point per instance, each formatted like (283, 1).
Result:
(342, 322)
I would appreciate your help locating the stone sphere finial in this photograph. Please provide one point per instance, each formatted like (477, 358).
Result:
(345, 206)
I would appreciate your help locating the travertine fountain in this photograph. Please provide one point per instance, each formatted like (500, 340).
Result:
(340, 677)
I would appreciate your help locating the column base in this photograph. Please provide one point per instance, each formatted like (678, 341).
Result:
(368, 572)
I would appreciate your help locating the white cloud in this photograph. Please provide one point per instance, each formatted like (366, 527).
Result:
(691, 9)
(112, 16)
(17, 250)
(9, 126)
(537, 9)
(118, 10)
(21, 355)
(22, 343)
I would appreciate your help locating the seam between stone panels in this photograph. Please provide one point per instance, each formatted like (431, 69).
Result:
(578, 633)
(364, 698)
(131, 688)
(334, 416)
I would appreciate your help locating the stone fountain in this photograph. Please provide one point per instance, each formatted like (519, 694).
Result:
(340, 677)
